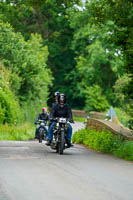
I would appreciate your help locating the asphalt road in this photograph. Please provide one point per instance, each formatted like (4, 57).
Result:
(33, 171)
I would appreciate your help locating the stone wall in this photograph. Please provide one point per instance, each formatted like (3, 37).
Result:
(116, 129)
(97, 115)
(79, 113)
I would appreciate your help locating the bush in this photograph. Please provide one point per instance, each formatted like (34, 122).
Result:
(20, 132)
(9, 106)
(79, 136)
(122, 116)
(125, 151)
(95, 100)
(104, 141)
(130, 124)
(101, 141)
(27, 60)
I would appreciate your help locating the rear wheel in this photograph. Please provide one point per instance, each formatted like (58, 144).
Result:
(45, 135)
(62, 142)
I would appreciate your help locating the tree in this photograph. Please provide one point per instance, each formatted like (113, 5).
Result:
(9, 105)
(87, 47)
(124, 101)
(27, 61)
(100, 42)
(95, 100)
(99, 59)
(49, 19)
(121, 13)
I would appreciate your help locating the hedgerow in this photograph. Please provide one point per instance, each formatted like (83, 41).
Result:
(17, 133)
(105, 142)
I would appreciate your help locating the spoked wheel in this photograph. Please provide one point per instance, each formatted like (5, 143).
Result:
(62, 142)
(40, 135)
(45, 135)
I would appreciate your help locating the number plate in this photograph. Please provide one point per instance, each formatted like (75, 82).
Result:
(62, 120)
(42, 124)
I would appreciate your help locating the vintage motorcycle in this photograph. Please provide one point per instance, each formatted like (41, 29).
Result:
(42, 130)
(59, 135)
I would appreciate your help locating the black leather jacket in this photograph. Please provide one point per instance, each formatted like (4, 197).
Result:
(42, 116)
(59, 111)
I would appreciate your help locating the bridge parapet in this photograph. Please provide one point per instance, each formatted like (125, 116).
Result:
(79, 113)
(116, 129)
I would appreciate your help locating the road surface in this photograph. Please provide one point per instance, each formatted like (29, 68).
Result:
(33, 171)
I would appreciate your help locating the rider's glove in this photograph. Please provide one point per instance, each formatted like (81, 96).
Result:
(71, 121)
(50, 119)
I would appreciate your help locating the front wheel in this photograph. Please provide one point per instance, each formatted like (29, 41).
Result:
(40, 135)
(62, 142)
(57, 149)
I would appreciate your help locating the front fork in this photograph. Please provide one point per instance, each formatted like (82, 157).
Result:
(62, 128)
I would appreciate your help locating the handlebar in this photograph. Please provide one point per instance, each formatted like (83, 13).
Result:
(39, 121)
(59, 118)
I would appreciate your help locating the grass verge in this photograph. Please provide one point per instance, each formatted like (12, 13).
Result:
(79, 119)
(19, 132)
(105, 142)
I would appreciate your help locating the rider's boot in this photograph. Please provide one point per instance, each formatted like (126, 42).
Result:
(69, 144)
(48, 143)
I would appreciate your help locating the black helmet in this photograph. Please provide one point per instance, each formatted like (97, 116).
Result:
(62, 98)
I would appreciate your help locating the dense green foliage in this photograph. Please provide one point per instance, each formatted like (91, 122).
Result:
(130, 124)
(24, 77)
(84, 51)
(9, 106)
(101, 141)
(95, 100)
(123, 117)
(79, 119)
(104, 141)
(22, 132)
(125, 150)
(28, 62)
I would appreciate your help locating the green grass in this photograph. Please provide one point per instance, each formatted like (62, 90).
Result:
(105, 142)
(125, 150)
(19, 132)
(79, 119)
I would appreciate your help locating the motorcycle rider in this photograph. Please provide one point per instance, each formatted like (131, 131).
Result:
(56, 98)
(42, 116)
(61, 109)
(56, 101)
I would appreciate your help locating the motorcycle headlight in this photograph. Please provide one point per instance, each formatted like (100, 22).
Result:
(42, 124)
(62, 120)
